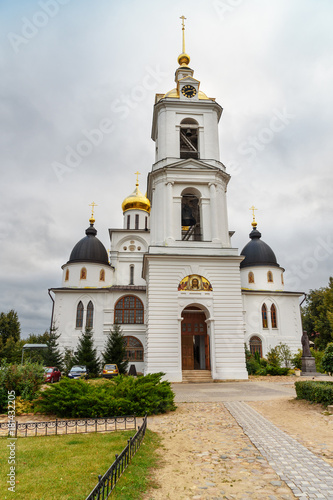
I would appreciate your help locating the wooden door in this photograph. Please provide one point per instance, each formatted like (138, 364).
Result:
(187, 352)
(193, 324)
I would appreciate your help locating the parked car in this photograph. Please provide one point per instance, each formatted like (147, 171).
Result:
(52, 374)
(110, 370)
(78, 371)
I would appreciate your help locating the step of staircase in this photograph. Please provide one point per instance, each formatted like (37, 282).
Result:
(197, 376)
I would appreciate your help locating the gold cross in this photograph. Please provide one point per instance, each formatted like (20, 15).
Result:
(137, 177)
(93, 205)
(253, 209)
(183, 28)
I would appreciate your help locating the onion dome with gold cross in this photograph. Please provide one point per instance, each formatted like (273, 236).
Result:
(89, 248)
(136, 200)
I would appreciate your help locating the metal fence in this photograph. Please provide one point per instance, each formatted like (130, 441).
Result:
(75, 426)
(107, 482)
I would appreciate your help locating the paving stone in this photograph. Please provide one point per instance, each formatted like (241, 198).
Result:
(303, 472)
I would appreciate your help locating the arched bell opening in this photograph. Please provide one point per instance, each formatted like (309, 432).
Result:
(195, 340)
(191, 219)
(189, 147)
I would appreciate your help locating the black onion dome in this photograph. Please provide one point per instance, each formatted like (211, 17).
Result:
(89, 249)
(257, 252)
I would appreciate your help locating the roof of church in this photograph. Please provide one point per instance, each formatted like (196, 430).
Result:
(90, 248)
(257, 252)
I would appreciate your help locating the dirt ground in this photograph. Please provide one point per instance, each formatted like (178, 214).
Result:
(206, 456)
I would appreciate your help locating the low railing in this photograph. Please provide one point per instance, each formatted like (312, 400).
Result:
(73, 426)
(107, 482)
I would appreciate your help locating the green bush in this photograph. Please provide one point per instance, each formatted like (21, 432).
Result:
(25, 380)
(124, 396)
(276, 370)
(316, 392)
(327, 360)
(318, 356)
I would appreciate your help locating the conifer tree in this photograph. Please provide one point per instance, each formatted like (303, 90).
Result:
(86, 354)
(115, 349)
(52, 355)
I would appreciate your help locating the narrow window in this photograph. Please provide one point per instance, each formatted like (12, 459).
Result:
(131, 275)
(67, 275)
(273, 316)
(264, 316)
(79, 315)
(251, 277)
(102, 275)
(270, 277)
(256, 346)
(136, 221)
(282, 281)
(83, 274)
(128, 222)
(146, 223)
(90, 315)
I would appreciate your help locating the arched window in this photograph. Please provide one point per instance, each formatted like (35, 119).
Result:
(189, 138)
(251, 277)
(134, 349)
(191, 228)
(83, 274)
(90, 315)
(131, 281)
(128, 223)
(256, 346)
(129, 310)
(273, 316)
(67, 275)
(102, 275)
(79, 315)
(264, 316)
(270, 277)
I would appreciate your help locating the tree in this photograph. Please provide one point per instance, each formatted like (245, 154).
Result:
(69, 360)
(12, 351)
(86, 353)
(285, 354)
(318, 315)
(327, 361)
(52, 355)
(9, 326)
(115, 349)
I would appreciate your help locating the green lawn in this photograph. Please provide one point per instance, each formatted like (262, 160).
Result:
(67, 467)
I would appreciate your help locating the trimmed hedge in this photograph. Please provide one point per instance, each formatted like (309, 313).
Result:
(123, 396)
(314, 391)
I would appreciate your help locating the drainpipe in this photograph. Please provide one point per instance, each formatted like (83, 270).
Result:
(51, 326)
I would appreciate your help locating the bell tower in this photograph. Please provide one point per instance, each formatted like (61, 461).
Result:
(189, 233)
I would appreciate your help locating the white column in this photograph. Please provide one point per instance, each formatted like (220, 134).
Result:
(169, 213)
(213, 211)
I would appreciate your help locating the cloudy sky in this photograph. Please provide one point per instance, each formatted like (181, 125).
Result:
(70, 68)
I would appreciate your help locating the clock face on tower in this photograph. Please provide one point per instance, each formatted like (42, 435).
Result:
(188, 91)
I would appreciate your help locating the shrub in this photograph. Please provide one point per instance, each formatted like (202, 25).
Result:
(318, 356)
(123, 396)
(274, 357)
(316, 392)
(296, 360)
(327, 360)
(25, 380)
(276, 370)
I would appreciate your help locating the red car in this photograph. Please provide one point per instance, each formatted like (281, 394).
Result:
(52, 374)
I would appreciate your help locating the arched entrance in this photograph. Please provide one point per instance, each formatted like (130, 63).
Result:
(195, 341)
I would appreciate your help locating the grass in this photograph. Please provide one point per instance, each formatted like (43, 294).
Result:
(67, 467)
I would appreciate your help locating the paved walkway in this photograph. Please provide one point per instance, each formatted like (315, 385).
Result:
(307, 475)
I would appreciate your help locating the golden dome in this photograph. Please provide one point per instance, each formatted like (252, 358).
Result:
(136, 201)
(183, 59)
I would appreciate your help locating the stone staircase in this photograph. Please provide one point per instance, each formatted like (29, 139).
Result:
(197, 376)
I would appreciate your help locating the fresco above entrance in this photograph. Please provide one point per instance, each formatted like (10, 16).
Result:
(195, 282)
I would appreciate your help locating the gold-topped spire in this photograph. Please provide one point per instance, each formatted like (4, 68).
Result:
(137, 177)
(183, 58)
(92, 205)
(253, 223)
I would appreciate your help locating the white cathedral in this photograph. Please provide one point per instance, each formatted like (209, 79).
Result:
(185, 299)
